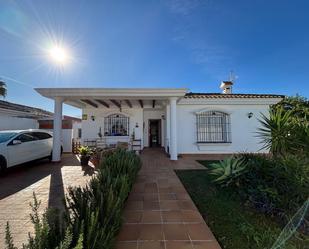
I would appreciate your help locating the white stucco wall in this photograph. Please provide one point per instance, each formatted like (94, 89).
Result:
(66, 139)
(14, 123)
(75, 126)
(90, 129)
(153, 114)
(243, 129)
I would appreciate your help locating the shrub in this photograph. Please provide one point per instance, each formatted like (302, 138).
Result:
(92, 214)
(95, 210)
(277, 186)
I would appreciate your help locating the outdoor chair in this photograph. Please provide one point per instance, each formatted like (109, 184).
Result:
(123, 145)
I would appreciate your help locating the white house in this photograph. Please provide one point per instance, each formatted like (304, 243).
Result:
(180, 121)
(21, 117)
(71, 130)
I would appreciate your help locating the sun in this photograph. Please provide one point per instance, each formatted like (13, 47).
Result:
(59, 55)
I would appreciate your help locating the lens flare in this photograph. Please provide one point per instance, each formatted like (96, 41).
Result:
(59, 55)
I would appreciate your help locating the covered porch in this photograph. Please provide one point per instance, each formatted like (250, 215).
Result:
(114, 115)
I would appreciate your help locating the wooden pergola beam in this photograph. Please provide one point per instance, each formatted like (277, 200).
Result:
(89, 102)
(141, 103)
(153, 104)
(129, 103)
(116, 103)
(102, 102)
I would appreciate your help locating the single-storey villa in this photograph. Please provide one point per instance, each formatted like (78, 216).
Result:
(180, 121)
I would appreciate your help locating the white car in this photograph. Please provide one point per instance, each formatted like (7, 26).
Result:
(20, 146)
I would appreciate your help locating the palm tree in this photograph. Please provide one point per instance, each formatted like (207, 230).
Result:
(3, 90)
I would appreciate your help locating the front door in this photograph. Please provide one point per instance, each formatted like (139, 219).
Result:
(155, 133)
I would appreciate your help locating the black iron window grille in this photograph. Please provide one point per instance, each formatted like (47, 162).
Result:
(116, 125)
(213, 127)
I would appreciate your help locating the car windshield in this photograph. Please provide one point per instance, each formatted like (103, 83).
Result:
(5, 136)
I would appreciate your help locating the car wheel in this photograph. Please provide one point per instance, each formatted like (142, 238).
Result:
(3, 165)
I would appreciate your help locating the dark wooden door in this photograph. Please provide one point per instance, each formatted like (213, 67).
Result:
(154, 133)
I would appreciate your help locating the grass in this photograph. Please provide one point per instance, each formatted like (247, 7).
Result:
(235, 225)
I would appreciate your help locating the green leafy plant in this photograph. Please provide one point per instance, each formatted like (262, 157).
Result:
(92, 216)
(8, 238)
(278, 132)
(227, 171)
(84, 151)
(95, 210)
(286, 130)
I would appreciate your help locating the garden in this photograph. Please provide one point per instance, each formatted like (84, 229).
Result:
(91, 216)
(260, 200)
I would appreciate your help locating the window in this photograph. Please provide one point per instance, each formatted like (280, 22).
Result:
(26, 137)
(79, 133)
(6, 136)
(116, 125)
(213, 127)
(41, 135)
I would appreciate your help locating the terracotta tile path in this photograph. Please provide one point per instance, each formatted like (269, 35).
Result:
(159, 213)
(49, 181)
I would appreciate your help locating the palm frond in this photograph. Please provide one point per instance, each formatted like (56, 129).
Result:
(3, 89)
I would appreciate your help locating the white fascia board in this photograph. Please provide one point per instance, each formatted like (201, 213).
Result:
(73, 93)
(231, 101)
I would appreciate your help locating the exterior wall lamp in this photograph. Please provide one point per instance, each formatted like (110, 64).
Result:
(93, 118)
(250, 114)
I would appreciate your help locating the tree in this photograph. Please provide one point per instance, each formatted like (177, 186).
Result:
(3, 89)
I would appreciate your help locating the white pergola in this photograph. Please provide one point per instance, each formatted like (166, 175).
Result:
(105, 97)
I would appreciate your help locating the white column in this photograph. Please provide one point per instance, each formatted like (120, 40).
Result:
(168, 127)
(173, 132)
(56, 157)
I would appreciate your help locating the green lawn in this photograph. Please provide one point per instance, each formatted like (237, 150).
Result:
(235, 225)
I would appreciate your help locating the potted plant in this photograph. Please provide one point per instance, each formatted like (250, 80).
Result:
(85, 154)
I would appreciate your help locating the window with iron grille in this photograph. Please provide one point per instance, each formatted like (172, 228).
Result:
(116, 125)
(213, 127)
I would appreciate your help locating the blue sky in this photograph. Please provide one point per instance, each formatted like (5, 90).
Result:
(155, 43)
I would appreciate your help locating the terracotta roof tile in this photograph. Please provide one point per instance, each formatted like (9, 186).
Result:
(28, 111)
(233, 95)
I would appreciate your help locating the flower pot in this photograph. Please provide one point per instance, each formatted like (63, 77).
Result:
(84, 160)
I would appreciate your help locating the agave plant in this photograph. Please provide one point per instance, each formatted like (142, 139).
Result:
(227, 171)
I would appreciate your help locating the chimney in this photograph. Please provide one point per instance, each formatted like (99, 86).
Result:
(226, 87)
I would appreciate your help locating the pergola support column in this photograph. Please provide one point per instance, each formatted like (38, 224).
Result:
(173, 127)
(56, 156)
(168, 127)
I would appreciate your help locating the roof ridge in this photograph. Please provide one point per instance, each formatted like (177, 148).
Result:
(23, 108)
(232, 95)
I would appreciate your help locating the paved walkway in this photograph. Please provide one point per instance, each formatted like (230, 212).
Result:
(49, 182)
(159, 213)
